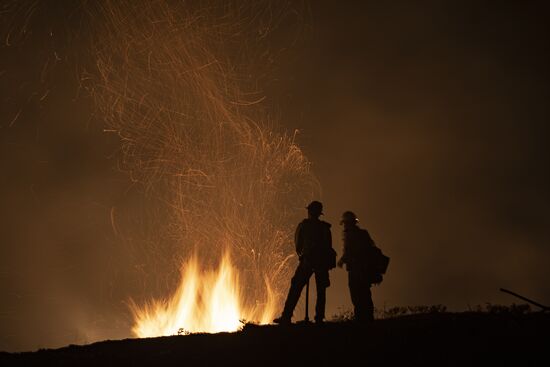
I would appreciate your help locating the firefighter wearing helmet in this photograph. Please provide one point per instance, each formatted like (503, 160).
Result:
(313, 240)
(355, 256)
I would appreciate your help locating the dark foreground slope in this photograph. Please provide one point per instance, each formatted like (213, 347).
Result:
(432, 339)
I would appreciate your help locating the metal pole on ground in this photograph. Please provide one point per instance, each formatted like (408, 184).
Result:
(307, 302)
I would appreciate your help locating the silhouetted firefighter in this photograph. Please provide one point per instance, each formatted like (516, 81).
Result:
(313, 242)
(365, 264)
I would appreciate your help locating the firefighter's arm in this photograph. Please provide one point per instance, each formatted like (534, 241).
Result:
(343, 259)
(329, 236)
(298, 243)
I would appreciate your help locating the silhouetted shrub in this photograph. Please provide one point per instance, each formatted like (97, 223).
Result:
(343, 316)
(396, 311)
(512, 309)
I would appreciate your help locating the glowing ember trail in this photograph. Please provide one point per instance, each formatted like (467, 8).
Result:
(173, 80)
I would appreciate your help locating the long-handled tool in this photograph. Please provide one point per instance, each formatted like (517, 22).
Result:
(306, 319)
(544, 308)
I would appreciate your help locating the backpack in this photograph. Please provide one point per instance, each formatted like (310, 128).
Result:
(377, 264)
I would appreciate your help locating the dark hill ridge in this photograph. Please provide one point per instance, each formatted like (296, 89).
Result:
(428, 339)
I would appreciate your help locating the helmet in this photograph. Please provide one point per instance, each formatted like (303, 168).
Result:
(315, 207)
(349, 217)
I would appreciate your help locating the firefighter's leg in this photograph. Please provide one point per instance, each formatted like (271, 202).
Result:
(322, 281)
(354, 282)
(369, 305)
(365, 309)
(299, 280)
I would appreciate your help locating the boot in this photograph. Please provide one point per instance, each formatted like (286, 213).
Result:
(282, 320)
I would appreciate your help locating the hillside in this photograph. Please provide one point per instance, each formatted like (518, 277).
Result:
(469, 338)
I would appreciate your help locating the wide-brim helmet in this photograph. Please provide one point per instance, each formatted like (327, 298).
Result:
(315, 207)
(349, 217)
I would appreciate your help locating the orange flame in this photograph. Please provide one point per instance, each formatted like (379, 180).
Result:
(205, 301)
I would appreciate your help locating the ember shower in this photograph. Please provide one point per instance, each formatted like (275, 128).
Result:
(198, 139)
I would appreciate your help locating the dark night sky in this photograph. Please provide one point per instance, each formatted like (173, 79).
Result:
(429, 121)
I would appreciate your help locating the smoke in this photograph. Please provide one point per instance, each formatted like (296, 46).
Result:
(430, 123)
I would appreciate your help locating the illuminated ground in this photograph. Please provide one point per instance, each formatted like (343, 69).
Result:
(431, 339)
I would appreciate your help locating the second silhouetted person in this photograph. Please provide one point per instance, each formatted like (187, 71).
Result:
(365, 264)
